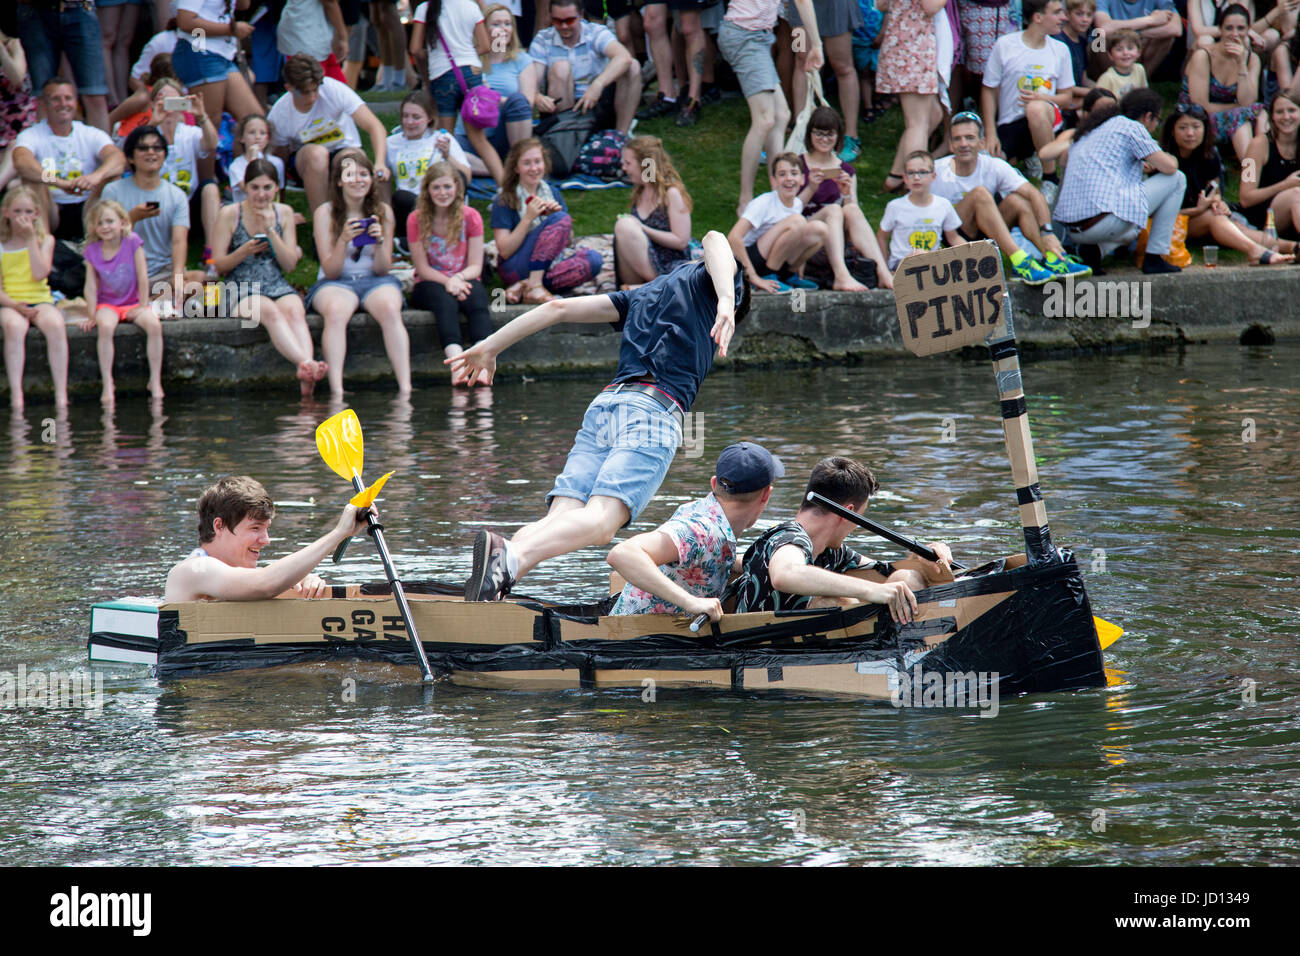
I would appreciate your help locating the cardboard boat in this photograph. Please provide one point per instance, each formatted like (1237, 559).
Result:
(1022, 628)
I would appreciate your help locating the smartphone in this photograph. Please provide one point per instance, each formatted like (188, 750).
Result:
(1210, 188)
(365, 239)
(180, 103)
(152, 205)
(261, 237)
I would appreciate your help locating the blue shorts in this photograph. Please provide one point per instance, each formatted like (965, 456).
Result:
(623, 450)
(447, 93)
(197, 69)
(48, 33)
(360, 286)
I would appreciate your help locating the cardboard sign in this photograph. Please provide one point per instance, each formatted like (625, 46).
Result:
(951, 298)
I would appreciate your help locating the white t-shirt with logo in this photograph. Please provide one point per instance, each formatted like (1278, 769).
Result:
(765, 211)
(410, 158)
(328, 124)
(217, 11)
(1014, 67)
(998, 176)
(456, 27)
(917, 228)
(65, 157)
(181, 167)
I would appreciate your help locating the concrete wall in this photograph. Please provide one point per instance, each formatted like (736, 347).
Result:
(1198, 306)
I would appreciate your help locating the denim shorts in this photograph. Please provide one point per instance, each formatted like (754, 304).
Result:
(360, 286)
(750, 54)
(48, 33)
(446, 91)
(196, 69)
(623, 450)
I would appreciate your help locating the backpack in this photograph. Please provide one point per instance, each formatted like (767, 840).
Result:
(602, 156)
(564, 137)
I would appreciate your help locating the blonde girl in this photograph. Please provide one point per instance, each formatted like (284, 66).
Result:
(252, 141)
(26, 257)
(446, 239)
(653, 237)
(353, 231)
(117, 288)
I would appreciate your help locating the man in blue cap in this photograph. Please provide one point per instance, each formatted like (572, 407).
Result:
(802, 563)
(682, 567)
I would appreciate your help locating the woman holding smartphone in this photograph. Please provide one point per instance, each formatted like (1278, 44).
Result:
(354, 243)
(254, 243)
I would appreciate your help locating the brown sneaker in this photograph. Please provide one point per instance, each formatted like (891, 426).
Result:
(489, 579)
(690, 114)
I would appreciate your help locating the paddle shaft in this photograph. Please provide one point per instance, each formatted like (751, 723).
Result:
(901, 540)
(376, 532)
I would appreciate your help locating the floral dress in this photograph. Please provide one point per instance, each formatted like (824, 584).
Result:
(1226, 122)
(909, 56)
(17, 108)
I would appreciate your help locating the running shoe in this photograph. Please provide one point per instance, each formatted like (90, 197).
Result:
(852, 149)
(1031, 272)
(1068, 266)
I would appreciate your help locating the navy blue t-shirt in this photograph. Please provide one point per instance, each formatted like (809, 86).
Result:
(666, 325)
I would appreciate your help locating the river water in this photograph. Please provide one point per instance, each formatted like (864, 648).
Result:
(1172, 477)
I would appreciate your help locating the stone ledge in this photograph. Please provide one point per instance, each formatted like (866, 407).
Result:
(822, 327)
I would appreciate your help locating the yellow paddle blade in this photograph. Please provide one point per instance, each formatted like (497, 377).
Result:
(338, 439)
(364, 499)
(1107, 633)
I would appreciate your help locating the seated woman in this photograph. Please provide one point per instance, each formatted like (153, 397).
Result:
(25, 298)
(1207, 214)
(531, 226)
(254, 244)
(1277, 187)
(446, 239)
(1224, 79)
(353, 230)
(413, 149)
(506, 70)
(830, 194)
(653, 238)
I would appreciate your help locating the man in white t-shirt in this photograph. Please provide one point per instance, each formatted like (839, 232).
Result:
(583, 67)
(316, 118)
(919, 221)
(70, 158)
(990, 196)
(1028, 81)
(772, 240)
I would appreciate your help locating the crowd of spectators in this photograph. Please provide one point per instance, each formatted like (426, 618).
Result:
(1027, 122)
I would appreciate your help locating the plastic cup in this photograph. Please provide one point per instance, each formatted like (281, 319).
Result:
(1211, 256)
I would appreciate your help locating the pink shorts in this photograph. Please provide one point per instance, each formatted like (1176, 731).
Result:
(123, 311)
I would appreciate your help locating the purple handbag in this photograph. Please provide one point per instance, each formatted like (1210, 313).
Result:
(482, 104)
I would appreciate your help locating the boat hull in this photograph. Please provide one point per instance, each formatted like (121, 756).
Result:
(1031, 629)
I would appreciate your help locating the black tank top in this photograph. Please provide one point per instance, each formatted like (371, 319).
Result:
(1276, 169)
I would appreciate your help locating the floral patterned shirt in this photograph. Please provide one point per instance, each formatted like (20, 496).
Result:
(753, 589)
(706, 548)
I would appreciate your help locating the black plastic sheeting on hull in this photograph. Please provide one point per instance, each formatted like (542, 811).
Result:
(1041, 638)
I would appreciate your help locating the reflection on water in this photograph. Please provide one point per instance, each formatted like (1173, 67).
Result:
(1172, 478)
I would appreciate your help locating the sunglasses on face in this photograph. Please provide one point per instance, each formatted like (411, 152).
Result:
(150, 147)
(564, 21)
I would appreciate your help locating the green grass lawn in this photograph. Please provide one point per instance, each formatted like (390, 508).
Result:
(707, 156)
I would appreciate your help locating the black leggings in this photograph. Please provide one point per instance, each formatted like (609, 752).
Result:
(447, 309)
(403, 205)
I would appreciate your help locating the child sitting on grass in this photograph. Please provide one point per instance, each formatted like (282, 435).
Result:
(1125, 73)
(772, 239)
(117, 290)
(919, 221)
(25, 299)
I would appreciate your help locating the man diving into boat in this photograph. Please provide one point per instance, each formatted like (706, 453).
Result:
(632, 429)
(801, 563)
(683, 565)
(234, 523)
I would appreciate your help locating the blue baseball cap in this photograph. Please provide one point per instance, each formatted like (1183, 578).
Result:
(745, 467)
